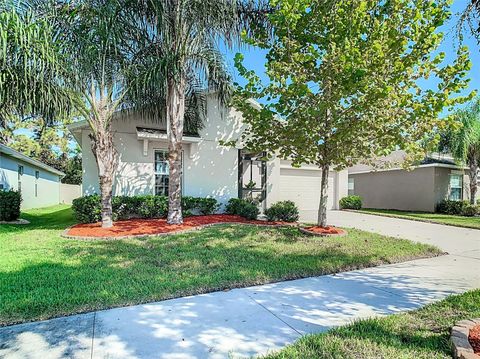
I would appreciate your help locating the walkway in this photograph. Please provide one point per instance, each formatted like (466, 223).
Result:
(249, 321)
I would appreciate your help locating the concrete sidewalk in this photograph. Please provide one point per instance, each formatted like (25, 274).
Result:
(249, 321)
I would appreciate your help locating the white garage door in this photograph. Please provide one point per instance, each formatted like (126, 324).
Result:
(303, 187)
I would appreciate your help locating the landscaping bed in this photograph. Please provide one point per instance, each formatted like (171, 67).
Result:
(420, 334)
(151, 227)
(43, 275)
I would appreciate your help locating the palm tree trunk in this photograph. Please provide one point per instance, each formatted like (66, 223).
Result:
(106, 156)
(322, 207)
(175, 118)
(473, 179)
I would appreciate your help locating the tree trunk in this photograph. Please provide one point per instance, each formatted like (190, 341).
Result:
(175, 118)
(322, 207)
(473, 179)
(106, 156)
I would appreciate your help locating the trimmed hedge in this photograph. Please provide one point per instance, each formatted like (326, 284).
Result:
(87, 209)
(285, 211)
(351, 202)
(10, 205)
(452, 207)
(242, 207)
(458, 208)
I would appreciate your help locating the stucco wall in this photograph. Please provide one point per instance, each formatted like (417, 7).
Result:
(47, 184)
(417, 190)
(209, 168)
(397, 189)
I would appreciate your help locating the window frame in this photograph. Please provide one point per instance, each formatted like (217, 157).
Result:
(165, 150)
(460, 187)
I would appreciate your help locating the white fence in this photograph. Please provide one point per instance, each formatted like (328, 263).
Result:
(68, 192)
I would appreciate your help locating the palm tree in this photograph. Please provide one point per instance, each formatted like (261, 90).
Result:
(93, 33)
(178, 60)
(464, 143)
(32, 76)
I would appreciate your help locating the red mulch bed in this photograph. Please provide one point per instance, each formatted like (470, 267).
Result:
(329, 230)
(141, 227)
(474, 339)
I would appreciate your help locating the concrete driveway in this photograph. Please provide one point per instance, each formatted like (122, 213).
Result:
(250, 321)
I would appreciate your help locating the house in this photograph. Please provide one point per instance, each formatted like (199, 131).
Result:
(38, 183)
(385, 185)
(209, 168)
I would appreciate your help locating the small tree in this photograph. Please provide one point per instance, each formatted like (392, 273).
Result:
(178, 61)
(33, 80)
(464, 143)
(93, 34)
(345, 82)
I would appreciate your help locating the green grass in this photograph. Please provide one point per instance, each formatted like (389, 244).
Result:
(43, 275)
(423, 333)
(459, 221)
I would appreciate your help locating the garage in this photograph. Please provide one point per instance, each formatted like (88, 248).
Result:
(302, 186)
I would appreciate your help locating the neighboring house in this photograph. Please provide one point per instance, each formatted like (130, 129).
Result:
(436, 178)
(209, 169)
(38, 183)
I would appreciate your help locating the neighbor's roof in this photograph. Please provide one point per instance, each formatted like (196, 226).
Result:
(394, 162)
(15, 154)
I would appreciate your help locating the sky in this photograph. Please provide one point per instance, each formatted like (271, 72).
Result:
(255, 58)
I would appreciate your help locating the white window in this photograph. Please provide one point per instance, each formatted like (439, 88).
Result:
(20, 174)
(37, 176)
(456, 186)
(351, 185)
(162, 172)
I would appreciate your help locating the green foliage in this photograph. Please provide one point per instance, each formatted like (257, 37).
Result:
(344, 81)
(10, 205)
(87, 209)
(351, 202)
(470, 210)
(242, 207)
(33, 79)
(452, 207)
(284, 211)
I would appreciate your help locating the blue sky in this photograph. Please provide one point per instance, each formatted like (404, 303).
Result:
(255, 58)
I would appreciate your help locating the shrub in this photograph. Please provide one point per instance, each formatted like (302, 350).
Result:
(285, 211)
(452, 207)
(87, 209)
(470, 210)
(153, 206)
(10, 205)
(242, 207)
(207, 205)
(351, 202)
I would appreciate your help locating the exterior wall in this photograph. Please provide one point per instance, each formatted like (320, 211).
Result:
(397, 189)
(209, 169)
(68, 192)
(442, 183)
(47, 184)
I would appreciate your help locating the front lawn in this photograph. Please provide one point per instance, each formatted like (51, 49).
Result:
(43, 275)
(423, 333)
(459, 221)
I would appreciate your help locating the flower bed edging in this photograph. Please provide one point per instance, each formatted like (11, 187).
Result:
(459, 339)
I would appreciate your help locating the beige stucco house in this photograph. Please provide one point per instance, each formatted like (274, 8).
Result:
(386, 185)
(209, 168)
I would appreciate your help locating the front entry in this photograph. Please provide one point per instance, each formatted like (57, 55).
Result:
(252, 177)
